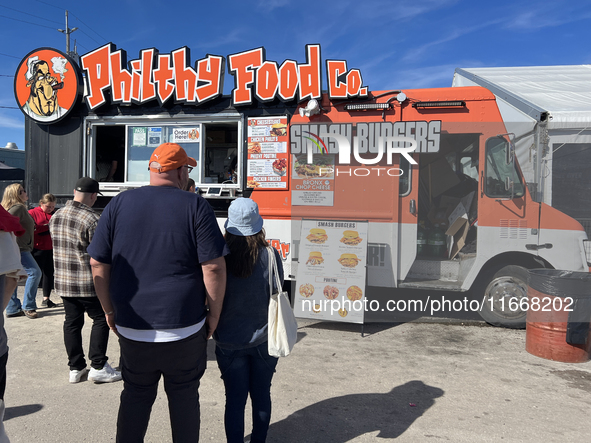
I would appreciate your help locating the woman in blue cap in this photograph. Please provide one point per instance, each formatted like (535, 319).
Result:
(241, 335)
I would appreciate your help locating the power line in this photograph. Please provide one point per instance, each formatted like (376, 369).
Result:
(24, 21)
(90, 29)
(82, 46)
(11, 56)
(82, 31)
(49, 4)
(49, 27)
(26, 13)
(78, 18)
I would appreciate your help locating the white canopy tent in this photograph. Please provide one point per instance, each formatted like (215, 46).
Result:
(548, 108)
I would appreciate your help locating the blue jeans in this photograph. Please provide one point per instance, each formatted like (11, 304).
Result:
(247, 371)
(34, 273)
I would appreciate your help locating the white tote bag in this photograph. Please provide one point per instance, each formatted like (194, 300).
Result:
(282, 326)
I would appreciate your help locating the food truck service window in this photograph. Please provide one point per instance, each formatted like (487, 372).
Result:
(142, 140)
(119, 149)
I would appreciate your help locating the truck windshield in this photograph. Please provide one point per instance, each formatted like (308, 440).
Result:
(499, 172)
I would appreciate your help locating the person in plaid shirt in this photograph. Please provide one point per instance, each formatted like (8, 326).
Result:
(72, 229)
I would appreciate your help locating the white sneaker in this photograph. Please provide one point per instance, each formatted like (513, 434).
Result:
(105, 375)
(76, 376)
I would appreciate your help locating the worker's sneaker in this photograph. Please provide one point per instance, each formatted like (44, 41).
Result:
(31, 313)
(105, 375)
(76, 375)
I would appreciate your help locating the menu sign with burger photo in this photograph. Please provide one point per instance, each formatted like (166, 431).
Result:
(267, 161)
(331, 271)
(313, 183)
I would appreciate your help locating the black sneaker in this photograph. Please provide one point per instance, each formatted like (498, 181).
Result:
(48, 304)
(16, 314)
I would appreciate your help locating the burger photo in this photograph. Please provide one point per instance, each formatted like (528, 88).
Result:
(348, 260)
(279, 130)
(317, 236)
(315, 258)
(351, 238)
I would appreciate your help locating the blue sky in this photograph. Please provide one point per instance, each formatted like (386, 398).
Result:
(397, 44)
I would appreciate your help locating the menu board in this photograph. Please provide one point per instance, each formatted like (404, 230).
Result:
(313, 183)
(330, 282)
(266, 166)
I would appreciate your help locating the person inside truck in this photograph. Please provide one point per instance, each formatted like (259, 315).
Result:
(107, 161)
(190, 186)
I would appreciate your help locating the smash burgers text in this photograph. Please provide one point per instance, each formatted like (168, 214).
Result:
(162, 76)
(367, 135)
(384, 139)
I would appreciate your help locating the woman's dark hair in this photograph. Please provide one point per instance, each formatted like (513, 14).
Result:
(244, 253)
(190, 183)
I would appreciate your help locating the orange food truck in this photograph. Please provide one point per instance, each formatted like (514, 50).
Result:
(359, 189)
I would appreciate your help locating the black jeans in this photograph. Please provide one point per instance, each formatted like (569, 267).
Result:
(182, 364)
(44, 259)
(75, 307)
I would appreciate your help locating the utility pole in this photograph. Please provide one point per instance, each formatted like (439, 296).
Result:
(67, 31)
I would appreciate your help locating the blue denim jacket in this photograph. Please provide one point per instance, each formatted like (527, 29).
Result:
(243, 322)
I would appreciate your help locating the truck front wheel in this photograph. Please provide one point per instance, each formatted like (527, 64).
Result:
(501, 301)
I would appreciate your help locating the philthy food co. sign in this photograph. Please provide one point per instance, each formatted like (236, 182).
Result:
(46, 79)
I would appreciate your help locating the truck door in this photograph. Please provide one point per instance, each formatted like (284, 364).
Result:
(504, 197)
(408, 199)
(508, 224)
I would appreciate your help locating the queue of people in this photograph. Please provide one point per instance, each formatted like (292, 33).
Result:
(10, 268)
(156, 270)
(14, 201)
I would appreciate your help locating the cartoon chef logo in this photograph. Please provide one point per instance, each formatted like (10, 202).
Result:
(47, 85)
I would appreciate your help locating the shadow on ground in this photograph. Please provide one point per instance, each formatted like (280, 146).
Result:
(341, 419)
(19, 411)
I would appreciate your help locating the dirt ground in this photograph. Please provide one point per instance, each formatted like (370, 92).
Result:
(409, 382)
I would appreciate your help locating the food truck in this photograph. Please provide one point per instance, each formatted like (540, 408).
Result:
(358, 188)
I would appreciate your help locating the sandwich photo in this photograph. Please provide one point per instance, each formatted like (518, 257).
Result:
(317, 236)
(349, 260)
(323, 166)
(279, 130)
(351, 238)
(315, 258)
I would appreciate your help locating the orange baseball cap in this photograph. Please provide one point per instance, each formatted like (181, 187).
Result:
(170, 156)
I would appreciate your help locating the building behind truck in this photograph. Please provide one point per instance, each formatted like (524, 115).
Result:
(548, 111)
(429, 177)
